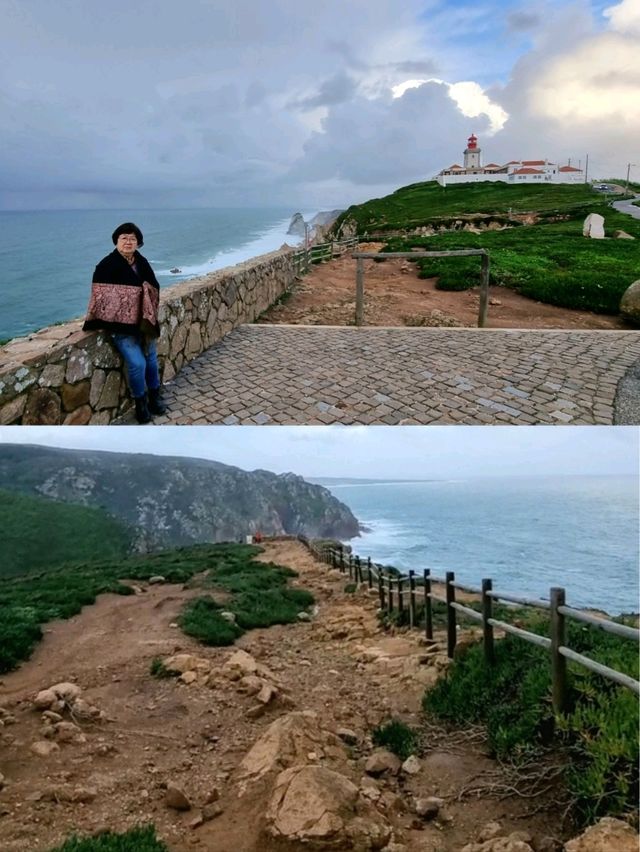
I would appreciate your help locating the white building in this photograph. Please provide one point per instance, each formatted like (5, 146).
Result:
(515, 171)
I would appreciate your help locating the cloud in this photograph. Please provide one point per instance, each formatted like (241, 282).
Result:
(259, 102)
(522, 21)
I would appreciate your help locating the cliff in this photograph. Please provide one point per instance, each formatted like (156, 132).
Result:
(172, 501)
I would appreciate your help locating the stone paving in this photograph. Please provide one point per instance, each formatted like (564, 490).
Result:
(262, 374)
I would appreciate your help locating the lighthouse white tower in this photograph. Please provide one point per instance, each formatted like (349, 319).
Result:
(472, 158)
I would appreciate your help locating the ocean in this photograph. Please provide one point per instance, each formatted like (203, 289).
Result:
(47, 258)
(527, 534)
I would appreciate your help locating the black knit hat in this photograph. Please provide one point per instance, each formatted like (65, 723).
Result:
(127, 228)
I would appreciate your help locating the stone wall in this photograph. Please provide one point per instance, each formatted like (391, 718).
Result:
(63, 375)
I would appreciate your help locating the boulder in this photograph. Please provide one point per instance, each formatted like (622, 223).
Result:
(176, 799)
(594, 226)
(67, 692)
(630, 303)
(181, 663)
(608, 835)
(315, 806)
(240, 664)
(44, 699)
(412, 765)
(287, 742)
(43, 748)
(429, 807)
(382, 762)
(622, 235)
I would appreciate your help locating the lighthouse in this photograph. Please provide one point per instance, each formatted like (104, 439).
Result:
(472, 153)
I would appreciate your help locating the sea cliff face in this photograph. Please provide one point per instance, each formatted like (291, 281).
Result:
(172, 501)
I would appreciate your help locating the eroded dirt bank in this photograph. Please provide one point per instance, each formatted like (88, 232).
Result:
(395, 296)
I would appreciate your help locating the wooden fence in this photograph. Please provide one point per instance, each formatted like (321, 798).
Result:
(320, 252)
(404, 594)
(414, 255)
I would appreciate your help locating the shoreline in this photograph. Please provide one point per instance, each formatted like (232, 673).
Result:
(269, 238)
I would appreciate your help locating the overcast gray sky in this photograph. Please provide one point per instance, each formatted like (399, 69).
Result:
(277, 102)
(407, 452)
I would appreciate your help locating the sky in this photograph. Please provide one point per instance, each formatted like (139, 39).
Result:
(317, 105)
(386, 452)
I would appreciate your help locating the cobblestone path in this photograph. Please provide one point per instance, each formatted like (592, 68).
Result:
(299, 374)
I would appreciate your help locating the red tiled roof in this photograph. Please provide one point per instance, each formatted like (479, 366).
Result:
(492, 166)
(527, 171)
(454, 166)
(568, 169)
(534, 162)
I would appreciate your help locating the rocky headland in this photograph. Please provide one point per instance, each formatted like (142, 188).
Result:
(175, 501)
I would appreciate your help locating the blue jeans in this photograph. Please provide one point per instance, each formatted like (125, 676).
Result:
(141, 360)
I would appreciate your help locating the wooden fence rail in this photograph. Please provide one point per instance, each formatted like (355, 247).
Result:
(391, 587)
(319, 252)
(415, 255)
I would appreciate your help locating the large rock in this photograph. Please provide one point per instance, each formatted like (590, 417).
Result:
(593, 226)
(608, 835)
(630, 303)
(317, 807)
(287, 742)
(382, 762)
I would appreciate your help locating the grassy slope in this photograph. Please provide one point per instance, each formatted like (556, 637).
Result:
(550, 261)
(37, 532)
(259, 594)
(421, 203)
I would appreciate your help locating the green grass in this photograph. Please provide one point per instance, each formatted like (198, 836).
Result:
(258, 594)
(37, 532)
(429, 203)
(135, 840)
(397, 737)
(550, 262)
(512, 699)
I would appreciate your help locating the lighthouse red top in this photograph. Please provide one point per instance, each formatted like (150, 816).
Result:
(472, 141)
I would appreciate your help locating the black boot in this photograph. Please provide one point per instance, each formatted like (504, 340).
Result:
(156, 404)
(142, 410)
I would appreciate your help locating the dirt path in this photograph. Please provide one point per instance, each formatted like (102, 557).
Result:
(161, 731)
(395, 296)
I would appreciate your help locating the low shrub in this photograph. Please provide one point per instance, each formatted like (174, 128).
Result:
(201, 619)
(397, 737)
(135, 840)
(158, 669)
(512, 698)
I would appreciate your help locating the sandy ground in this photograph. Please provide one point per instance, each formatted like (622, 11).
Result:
(395, 296)
(160, 731)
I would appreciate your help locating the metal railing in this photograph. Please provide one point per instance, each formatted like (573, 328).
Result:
(401, 593)
(415, 255)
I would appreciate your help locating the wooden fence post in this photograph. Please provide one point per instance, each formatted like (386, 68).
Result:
(358, 571)
(400, 597)
(369, 573)
(351, 566)
(389, 592)
(558, 662)
(428, 614)
(487, 629)
(381, 589)
(412, 598)
(451, 614)
(484, 292)
(341, 551)
(359, 291)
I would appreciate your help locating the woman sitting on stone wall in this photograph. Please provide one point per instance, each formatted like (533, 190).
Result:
(124, 301)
